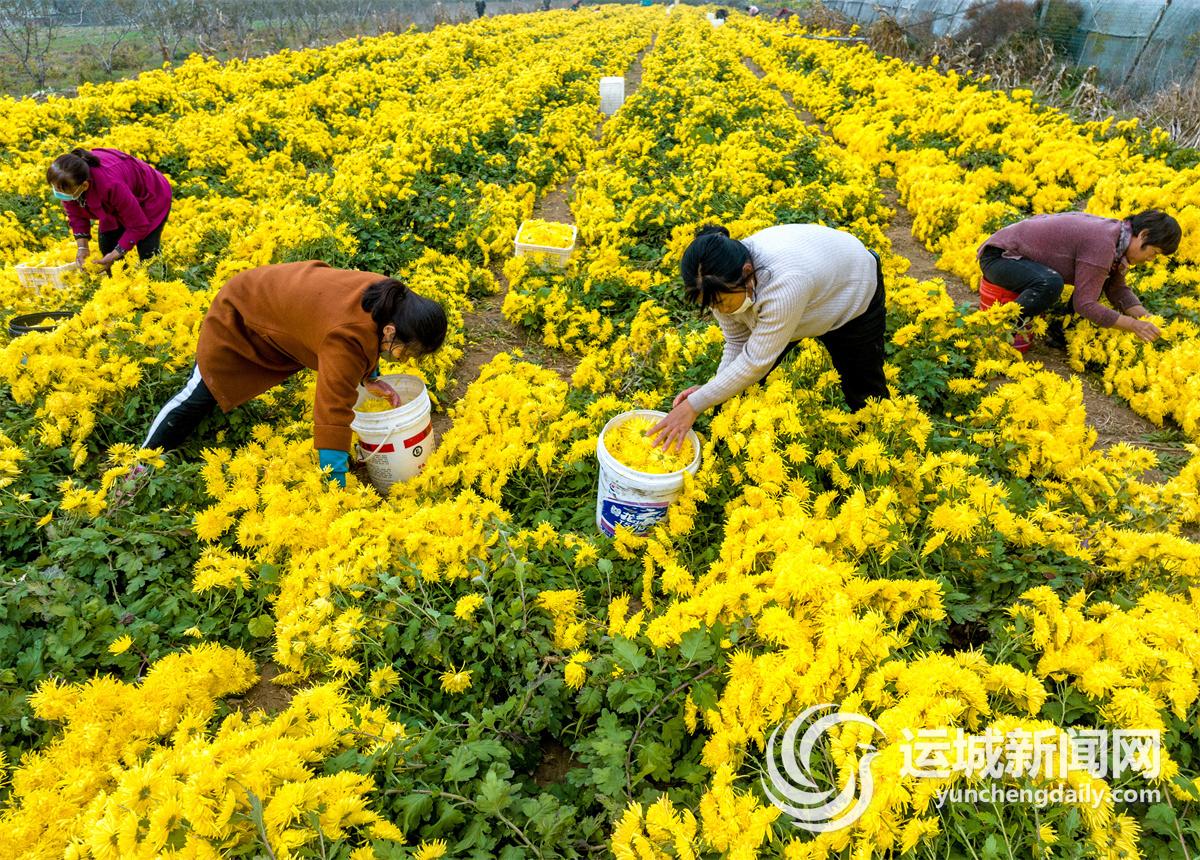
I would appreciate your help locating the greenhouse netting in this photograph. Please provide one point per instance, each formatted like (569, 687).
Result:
(1142, 44)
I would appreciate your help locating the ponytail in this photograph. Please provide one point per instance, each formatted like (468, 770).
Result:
(712, 264)
(86, 155)
(419, 321)
(382, 298)
(72, 169)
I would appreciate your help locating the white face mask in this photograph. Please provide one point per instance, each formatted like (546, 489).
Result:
(744, 306)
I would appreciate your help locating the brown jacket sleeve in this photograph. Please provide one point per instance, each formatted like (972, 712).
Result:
(341, 366)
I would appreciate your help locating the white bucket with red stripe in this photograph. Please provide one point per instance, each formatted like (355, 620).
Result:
(395, 444)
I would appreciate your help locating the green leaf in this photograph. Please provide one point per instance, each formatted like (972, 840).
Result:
(462, 765)
(704, 696)
(1160, 818)
(696, 646)
(473, 835)
(655, 761)
(495, 794)
(413, 808)
(991, 848)
(628, 655)
(261, 627)
(488, 749)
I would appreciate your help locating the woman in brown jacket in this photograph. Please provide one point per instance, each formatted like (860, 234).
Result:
(268, 323)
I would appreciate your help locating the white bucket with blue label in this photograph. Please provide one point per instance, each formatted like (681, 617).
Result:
(633, 499)
(394, 444)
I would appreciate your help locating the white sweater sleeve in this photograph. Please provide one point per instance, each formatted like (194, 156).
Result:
(770, 336)
(736, 334)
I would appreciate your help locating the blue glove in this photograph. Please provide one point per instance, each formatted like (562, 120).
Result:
(337, 461)
(374, 374)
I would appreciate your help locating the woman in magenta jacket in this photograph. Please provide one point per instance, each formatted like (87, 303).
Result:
(129, 198)
(1036, 257)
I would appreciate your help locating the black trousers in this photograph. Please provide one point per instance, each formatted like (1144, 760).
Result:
(147, 247)
(856, 349)
(181, 414)
(1039, 288)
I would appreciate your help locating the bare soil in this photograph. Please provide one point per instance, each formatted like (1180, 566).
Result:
(556, 761)
(265, 695)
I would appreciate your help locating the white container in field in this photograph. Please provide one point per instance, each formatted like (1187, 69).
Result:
(612, 95)
(395, 444)
(633, 499)
(560, 256)
(36, 277)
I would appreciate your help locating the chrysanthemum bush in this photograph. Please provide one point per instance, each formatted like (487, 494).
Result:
(475, 669)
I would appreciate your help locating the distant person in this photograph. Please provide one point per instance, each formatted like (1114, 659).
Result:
(722, 14)
(752, 10)
(269, 323)
(1035, 258)
(128, 197)
(575, 5)
(480, 8)
(545, 5)
(783, 14)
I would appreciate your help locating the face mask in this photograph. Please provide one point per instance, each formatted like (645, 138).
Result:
(63, 196)
(744, 306)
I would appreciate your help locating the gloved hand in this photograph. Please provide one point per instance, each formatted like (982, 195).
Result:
(382, 389)
(337, 461)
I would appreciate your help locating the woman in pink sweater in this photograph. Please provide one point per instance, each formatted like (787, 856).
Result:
(1036, 257)
(128, 197)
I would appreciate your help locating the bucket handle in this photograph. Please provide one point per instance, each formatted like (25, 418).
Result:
(371, 455)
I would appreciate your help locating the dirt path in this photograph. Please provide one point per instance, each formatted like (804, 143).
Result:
(1113, 421)
(488, 333)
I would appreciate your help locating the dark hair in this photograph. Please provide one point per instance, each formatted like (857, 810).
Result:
(1162, 231)
(419, 321)
(72, 169)
(713, 264)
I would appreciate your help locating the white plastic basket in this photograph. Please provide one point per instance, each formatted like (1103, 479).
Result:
(36, 277)
(559, 255)
(612, 95)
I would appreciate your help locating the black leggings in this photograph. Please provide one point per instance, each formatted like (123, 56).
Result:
(1039, 288)
(147, 247)
(856, 349)
(181, 414)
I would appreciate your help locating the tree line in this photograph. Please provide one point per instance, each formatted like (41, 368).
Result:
(31, 30)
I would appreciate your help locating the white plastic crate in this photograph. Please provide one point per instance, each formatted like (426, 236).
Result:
(559, 255)
(36, 277)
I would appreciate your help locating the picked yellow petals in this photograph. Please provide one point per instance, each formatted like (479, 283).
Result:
(548, 234)
(375, 404)
(631, 447)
